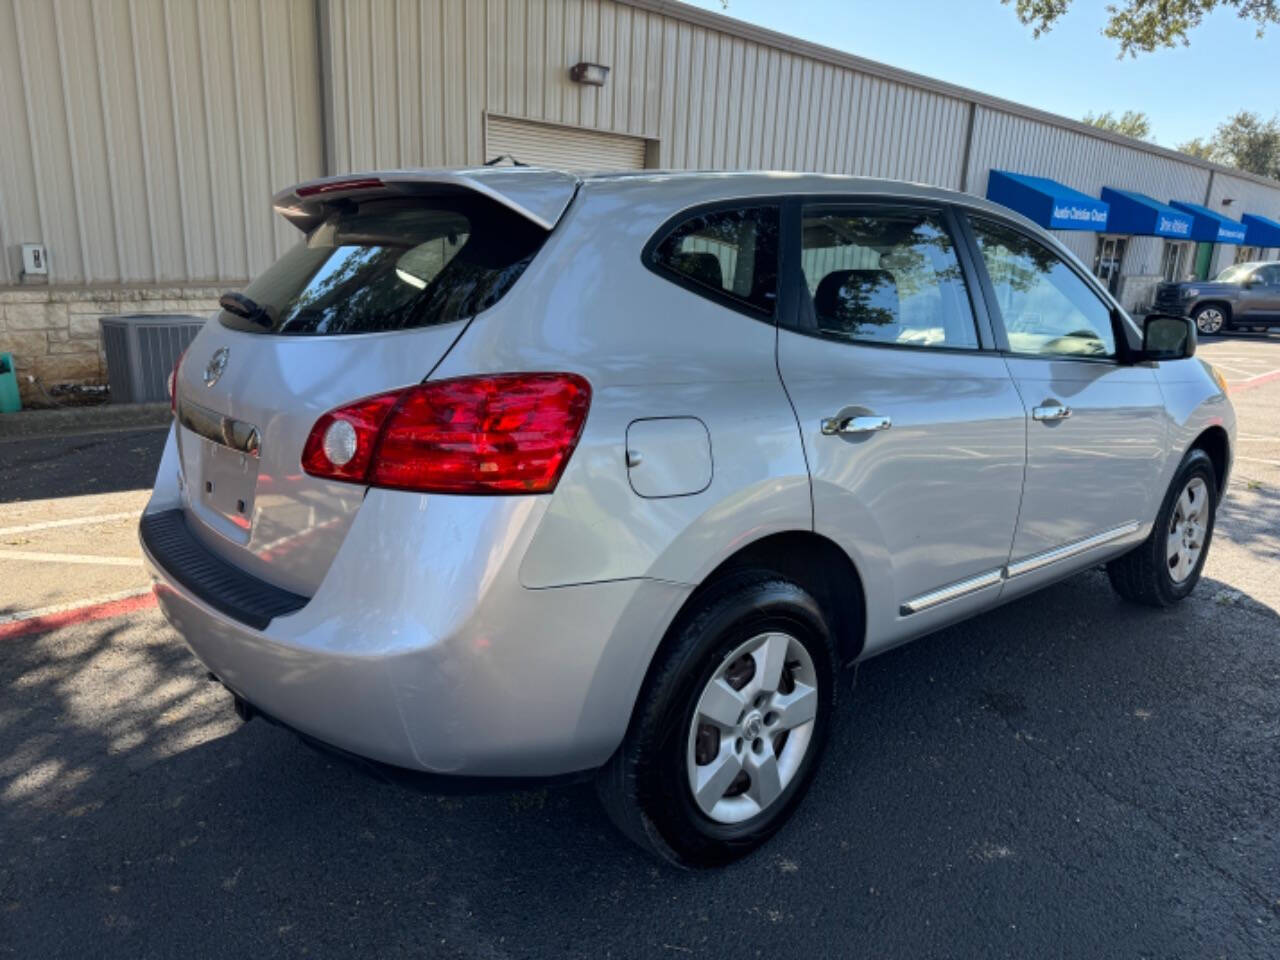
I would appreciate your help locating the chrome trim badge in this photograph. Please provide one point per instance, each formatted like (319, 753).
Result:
(217, 364)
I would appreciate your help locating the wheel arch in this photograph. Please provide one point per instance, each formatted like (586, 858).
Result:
(1215, 442)
(813, 562)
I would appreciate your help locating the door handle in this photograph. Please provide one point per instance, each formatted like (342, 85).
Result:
(832, 426)
(1052, 410)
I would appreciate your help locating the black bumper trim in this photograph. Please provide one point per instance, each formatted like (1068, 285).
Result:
(211, 579)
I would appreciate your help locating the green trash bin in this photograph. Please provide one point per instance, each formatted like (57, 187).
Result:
(10, 402)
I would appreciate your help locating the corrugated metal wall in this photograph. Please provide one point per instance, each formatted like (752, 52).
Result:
(413, 77)
(1004, 141)
(141, 140)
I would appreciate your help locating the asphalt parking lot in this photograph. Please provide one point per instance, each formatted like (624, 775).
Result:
(1066, 776)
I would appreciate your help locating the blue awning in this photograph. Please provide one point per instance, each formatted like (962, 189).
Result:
(1140, 215)
(1260, 232)
(1047, 202)
(1209, 226)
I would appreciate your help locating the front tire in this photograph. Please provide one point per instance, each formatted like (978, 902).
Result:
(729, 725)
(1166, 567)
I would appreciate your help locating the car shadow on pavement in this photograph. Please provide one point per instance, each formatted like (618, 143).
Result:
(1067, 775)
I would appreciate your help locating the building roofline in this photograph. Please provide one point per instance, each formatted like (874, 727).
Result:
(772, 38)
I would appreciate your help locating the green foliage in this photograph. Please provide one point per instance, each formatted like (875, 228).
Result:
(1131, 123)
(1245, 141)
(1199, 147)
(1248, 142)
(1146, 25)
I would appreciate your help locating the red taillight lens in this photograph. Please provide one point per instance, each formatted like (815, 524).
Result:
(365, 417)
(336, 186)
(510, 433)
(172, 384)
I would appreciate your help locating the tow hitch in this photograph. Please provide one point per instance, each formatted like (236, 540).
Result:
(243, 708)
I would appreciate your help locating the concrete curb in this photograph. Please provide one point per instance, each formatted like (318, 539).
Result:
(31, 424)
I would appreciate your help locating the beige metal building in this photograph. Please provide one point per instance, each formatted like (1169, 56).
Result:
(141, 140)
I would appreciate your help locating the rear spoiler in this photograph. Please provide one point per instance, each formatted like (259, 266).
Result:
(540, 195)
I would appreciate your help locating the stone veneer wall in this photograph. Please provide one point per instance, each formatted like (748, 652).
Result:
(53, 332)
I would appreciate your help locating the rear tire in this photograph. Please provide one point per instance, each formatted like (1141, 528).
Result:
(679, 738)
(1166, 567)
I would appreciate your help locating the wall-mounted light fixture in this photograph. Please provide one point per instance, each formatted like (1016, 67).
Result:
(593, 74)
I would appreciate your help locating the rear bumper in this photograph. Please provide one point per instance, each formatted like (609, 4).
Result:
(422, 650)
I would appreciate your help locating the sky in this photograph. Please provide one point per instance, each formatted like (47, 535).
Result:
(1072, 70)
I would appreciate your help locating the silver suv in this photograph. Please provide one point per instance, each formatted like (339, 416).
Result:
(506, 473)
(1246, 295)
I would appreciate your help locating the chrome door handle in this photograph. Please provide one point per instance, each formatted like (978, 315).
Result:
(831, 426)
(1050, 412)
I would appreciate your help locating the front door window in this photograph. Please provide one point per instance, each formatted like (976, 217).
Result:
(1047, 309)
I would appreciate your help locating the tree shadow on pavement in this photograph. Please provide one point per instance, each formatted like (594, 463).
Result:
(1068, 775)
(1247, 516)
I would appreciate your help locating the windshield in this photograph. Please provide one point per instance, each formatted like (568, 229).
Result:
(390, 264)
(1233, 274)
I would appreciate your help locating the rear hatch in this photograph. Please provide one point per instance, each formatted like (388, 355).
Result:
(392, 268)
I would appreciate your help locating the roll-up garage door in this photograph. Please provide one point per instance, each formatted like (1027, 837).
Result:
(566, 148)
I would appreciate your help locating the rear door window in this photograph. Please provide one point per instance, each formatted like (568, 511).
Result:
(888, 277)
(727, 255)
(390, 264)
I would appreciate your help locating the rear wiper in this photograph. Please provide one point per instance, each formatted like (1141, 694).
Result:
(245, 307)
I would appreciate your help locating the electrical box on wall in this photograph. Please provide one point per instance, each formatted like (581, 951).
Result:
(35, 260)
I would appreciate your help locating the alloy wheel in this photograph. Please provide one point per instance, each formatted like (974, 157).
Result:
(1187, 529)
(752, 727)
(1209, 320)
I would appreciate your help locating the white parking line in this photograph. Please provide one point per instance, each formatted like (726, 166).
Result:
(1271, 463)
(69, 522)
(1226, 366)
(32, 556)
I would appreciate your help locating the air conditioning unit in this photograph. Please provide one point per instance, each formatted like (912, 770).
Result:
(141, 352)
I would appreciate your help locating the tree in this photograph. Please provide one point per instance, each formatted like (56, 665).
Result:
(1199, 147)
(1248, 142)
(1132, 123)
(1145, 25)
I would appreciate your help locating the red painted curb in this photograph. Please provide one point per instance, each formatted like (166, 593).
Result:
(67, 618)
(1252, 382)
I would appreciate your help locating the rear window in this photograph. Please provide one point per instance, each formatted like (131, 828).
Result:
(390, 264)
(729, 255)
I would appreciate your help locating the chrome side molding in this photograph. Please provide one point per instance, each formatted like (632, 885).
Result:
(953, 591)
(1068, 550)
(962, 588)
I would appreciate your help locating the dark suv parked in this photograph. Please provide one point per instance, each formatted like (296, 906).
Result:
(1242, 296)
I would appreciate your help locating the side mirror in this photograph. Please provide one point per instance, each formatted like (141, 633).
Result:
(1166, 337)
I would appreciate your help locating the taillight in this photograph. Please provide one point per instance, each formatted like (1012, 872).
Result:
(172, 384)
(345, 185)
(508, 433)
